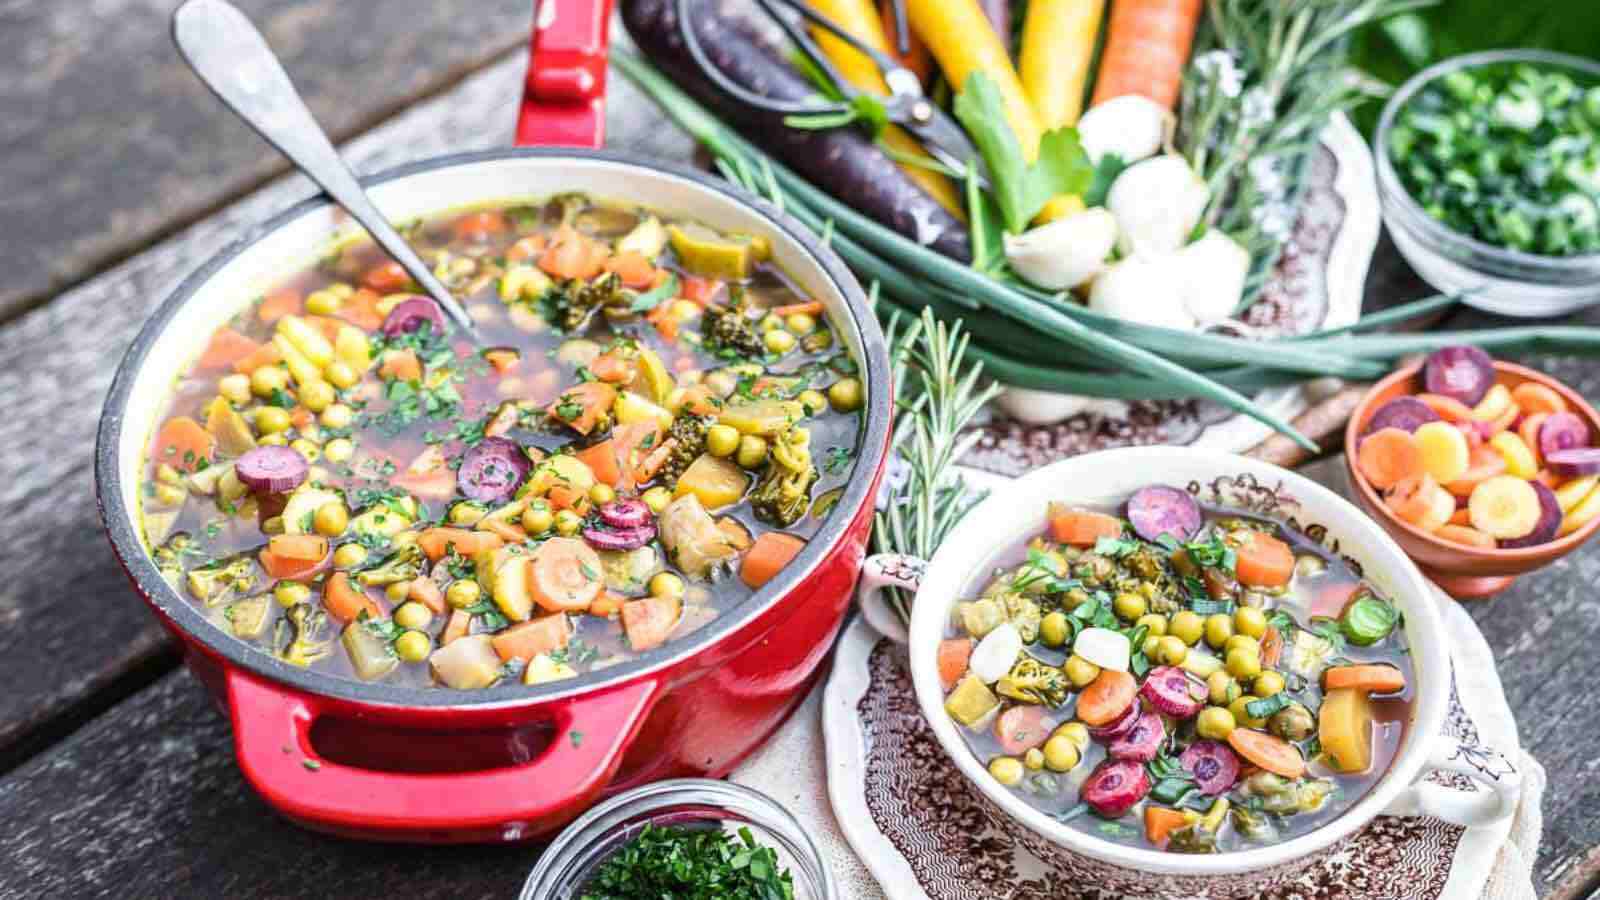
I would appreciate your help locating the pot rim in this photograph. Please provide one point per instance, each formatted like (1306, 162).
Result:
(1546, 552)
(1432, 694)
(126, 542)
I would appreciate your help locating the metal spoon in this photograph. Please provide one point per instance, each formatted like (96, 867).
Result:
(234, 61)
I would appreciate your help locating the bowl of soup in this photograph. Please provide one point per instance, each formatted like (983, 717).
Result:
(1193, 671)
(456, 590)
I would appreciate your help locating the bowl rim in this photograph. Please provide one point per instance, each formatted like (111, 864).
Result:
(1411, 213)
(1424, 624)
(1368, 405)
(128, 545)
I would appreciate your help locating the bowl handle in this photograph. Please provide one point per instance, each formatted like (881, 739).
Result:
(880, 572)
(272, 728)
(564, 97)
(1499, 781)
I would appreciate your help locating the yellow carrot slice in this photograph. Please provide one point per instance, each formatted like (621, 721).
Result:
(1445, 454)
(1504, 507)
(1519, 458)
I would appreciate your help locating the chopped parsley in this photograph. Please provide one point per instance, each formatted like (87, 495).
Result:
(690, 863)
(836, 460)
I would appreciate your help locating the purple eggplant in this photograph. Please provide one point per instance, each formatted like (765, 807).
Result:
(842, 161)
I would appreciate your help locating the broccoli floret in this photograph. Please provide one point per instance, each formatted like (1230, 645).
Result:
(1023, 613)
(574, 305)
(730, 329)
(784, 494)
(404, 564)
(689, 434)
(300, 635)
(222, 580)
(1032, 681)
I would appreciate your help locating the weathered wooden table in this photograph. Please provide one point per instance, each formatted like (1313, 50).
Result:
(120, 175)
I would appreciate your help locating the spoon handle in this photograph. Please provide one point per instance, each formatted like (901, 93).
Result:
(234, 61)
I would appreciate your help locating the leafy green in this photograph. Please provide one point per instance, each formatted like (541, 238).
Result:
(1116, 547)
(1020, 189)
(687, 863)
(652, 298)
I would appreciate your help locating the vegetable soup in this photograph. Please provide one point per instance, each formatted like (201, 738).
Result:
(1180, 678)
(657, 423)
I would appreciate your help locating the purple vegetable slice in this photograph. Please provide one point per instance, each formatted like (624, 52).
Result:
(409, 315)
(1115, 787)
(1158, 509)
(492, 470)
(1169, 689)
(625, 513)
(1562, 431)
(619, 538)
(1549, 522)
(1405, 413)
(1119, 726)
(1213, 764)
(1574, 461)
(271, 470)
(1142, 742)
(1463, 372)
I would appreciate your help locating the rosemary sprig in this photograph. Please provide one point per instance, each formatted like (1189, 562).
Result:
(937, 393)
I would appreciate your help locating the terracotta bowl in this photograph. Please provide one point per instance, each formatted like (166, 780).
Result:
(1463, 572)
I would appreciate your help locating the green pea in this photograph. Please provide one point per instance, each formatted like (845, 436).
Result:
(1128, 606)
(1187, 626)
(1219, 627)
(1061, 754)
(1153, 624)
(1007, 770)
(1267, 684)
(413, 615)
(1054, 630)
(1250, 621)
(1243, 664)
(413, 646)
(845, 394)
(1080, 671)
(1171, 650)
(1215, 723)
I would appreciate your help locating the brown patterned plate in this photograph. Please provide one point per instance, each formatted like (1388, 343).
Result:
(1317, 284)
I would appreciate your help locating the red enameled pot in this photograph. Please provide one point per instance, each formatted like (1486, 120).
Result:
(513, 762)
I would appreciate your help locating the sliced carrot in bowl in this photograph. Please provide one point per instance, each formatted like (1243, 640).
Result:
(1388, 456)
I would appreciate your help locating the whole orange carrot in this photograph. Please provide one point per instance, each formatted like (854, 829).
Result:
(1147, 46)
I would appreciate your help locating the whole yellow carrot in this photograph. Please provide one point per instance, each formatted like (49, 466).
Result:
(860, 18)
(962, 40)
(1058, 39)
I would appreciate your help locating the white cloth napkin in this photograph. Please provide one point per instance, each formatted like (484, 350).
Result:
(793, 769)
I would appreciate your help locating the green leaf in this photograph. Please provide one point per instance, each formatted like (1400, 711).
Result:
(1020, 190)
(652, 298)
(1105, 172)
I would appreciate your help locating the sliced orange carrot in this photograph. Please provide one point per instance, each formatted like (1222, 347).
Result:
(566, 575)
(1504, 421)
(1271, 647)
(1449, 408)
(526, 248)
(361, 310)
(1462, 516)
(582, 405)
(276, 305)
(631, 443)
(227, 347)
(387, 277)
(767, 557)
(1465, 535)
(400, 365)
(1082, 528)
(184, 444)
(953, 656)
(810, 308)
(480, 226)
(1378, 679)
(426, 591)
(1107, 697)
(1534, 397)
(665, 322)
(1528, 430)
(602, 461)
(508, 532)
(299, 546)
(648, 620)
(1263, 560)
(572, 254)
(1484, 463)
(613, 368)
(1270, 753)
(633, 268)
(346, 600)
(699, 400)
(502, 359)
(608, 604)
(456, 627)
(1388, 456)
(289, 569)
(267, 354)
(437, 542)
(699, 290)
(1422, 502)
(525, 640)
(1549, 479)
(1022, 728)
(439, 484)
(654, 460)
(1160, 822)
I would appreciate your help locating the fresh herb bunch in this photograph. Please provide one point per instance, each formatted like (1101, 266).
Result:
(1264, 79)
(691, 864)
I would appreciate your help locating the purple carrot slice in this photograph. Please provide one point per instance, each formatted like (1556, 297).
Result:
(1213, 764)
(1142, 742)
(271, 470)
(1115, 787)
(619, 538)
(1562, 431)
(1574, 461)
(1463, 372)
(1169, 689)
(492, 470)
(1549, 522)
(1118, 726)
(409, 315)
(1405, 413)
(1158, 509)
(625, 513)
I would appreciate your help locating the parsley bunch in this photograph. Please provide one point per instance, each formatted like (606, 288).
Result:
(691, 864)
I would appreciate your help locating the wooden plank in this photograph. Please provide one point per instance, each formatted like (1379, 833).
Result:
(109, 141)
(69, 623)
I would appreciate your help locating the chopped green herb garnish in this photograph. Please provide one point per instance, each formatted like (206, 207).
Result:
(689, 863)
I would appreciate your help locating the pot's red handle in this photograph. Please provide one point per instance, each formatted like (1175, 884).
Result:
(564, 99)
(272, 728)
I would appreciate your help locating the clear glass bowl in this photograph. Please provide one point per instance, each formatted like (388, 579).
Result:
(574, 855)
(1496, 279)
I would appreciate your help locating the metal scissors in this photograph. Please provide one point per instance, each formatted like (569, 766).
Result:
(907, 106)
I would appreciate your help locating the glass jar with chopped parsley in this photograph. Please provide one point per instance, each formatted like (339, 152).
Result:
(690, 838)
(1489, 173)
